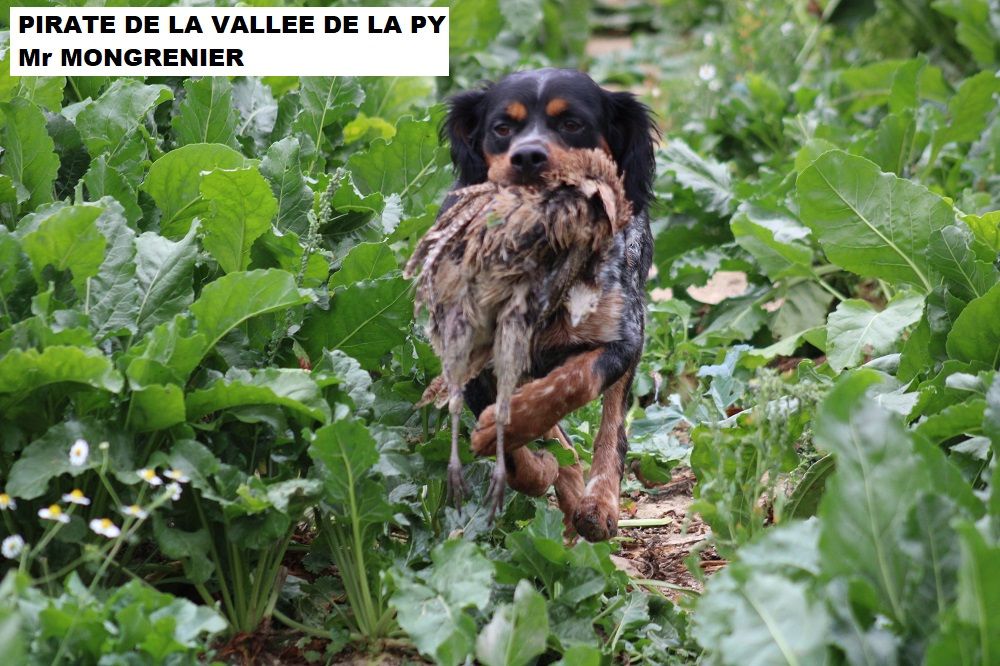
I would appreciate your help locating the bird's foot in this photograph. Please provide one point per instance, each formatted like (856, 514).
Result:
(458, 489)
(498, 482)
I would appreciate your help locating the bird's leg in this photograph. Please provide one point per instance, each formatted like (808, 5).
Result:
(498, 481)
(457, 489)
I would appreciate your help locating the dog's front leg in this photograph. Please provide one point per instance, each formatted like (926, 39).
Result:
(537, 406)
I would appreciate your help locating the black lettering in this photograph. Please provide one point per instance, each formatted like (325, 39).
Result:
(30, 57)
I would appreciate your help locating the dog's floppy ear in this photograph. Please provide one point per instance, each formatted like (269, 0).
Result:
(631, 135)
(462, 129)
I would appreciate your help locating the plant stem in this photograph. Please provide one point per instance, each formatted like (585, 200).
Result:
(298, 626)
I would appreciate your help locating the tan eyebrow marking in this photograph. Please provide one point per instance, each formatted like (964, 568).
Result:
(517, 111)
(556, 106)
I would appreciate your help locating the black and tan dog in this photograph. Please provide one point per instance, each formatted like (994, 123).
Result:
(511, 132)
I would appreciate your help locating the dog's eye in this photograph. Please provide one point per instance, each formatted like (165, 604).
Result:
(502, 129)
(571, 125)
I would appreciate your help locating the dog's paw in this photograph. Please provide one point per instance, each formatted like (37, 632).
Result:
(596, 519)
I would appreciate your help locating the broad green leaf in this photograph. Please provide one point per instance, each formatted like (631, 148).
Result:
(28, 157)
(257, 108)
(67, 239)
(174, 182)
(952, 255)
(804, 500)
(156, 407)
(164, 271)
(777, 241)
(45, 91)
(974, 30)
(24, 370)
(207, 114)
(439, 632)
(113, 294)
(969, 109)
(868, 222)
(975, 335)
(474, 24)
(347, 451)
(282, 168)
(991, 427)
(893, 146)
(877, 481)
(517, 633)
(735, 319)
(986, 228)
(461, 574)
(365, 321)
(855, 329)
(933, 548)
(114, 124)
(324, 100)
(412, 165)
(804, 307)
(167, 355)
(274, 249)
(104, 180)
(48, 457)
(240, 208)
(764, 619)
(979, 591)
(953, 420)
(16, 281)
(284, 387)
(234, 298)
(191, 548)
(365, 261)
(708, 179)
(337, 368)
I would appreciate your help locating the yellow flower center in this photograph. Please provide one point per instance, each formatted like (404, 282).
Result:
(76, 494)
(55, 511)
(105, 523)
(4, 499)
(134, 509)
(148, 474)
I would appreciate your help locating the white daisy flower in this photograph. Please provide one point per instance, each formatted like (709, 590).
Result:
(54, 512)
(787, 28)
(175, 490)
(176, 475)
(707, 72)
(76, 497)
(105, 527)
(149, 476)
(7, 502)
(12, 546)
(135, 510)
(78, 452)
(708, 39)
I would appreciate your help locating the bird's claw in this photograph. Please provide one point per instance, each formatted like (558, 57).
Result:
(495, 494)
(458, 489)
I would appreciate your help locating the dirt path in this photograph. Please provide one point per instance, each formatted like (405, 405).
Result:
(659, 553)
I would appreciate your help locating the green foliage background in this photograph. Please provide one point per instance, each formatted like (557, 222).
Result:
(202, 276)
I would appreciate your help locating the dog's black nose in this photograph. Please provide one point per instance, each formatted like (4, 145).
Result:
(529, 160)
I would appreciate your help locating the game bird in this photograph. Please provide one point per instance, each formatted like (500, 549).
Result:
(498, 262)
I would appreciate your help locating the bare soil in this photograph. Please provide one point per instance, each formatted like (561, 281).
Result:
(659, 553)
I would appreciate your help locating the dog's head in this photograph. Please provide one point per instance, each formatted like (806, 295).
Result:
(513, 130)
